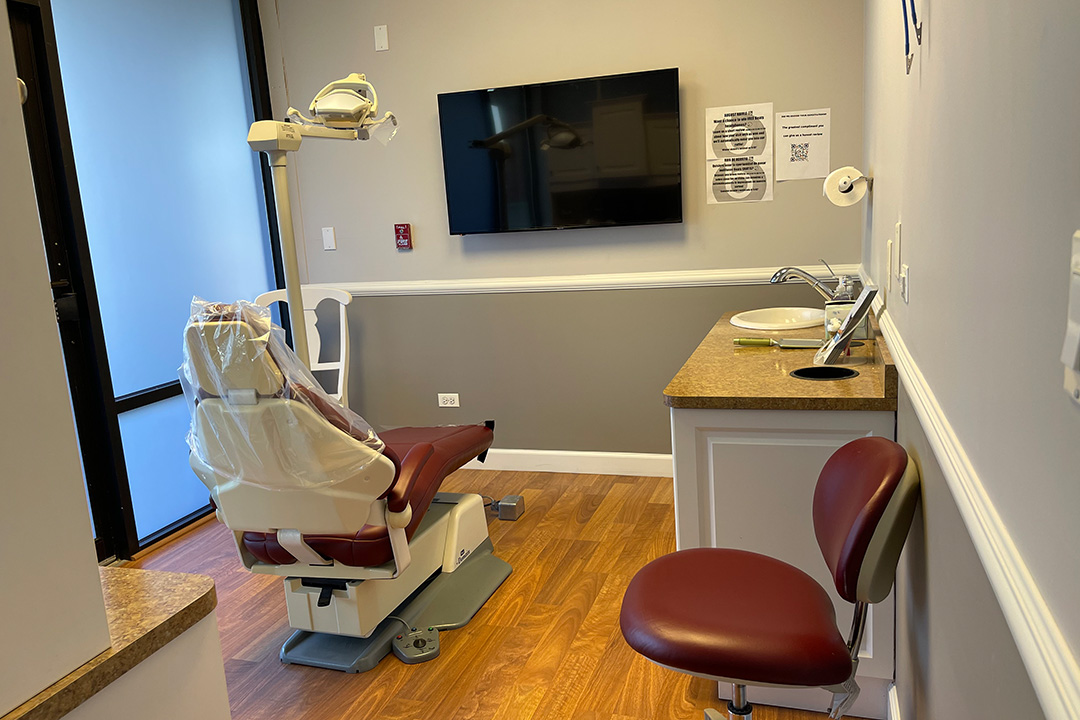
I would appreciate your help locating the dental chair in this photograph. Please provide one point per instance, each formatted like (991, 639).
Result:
(372, 555)
(747, 619)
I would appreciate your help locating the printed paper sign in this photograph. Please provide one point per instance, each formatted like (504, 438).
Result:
(738, 151)
(802, 144)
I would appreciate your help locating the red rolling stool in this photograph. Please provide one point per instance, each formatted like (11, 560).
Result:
(749, 619)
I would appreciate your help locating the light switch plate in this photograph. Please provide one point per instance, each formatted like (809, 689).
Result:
(888, 265)
(1070, 350)
(898, 245)
(329, 239)
(382, 39)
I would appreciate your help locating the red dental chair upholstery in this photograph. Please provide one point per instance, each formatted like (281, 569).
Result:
(423, 457)
(744, 618)
(352, 521)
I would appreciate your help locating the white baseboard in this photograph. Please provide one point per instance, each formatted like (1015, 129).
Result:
(1054, 672)
(892, 708)
(573, 461)
(568, 283)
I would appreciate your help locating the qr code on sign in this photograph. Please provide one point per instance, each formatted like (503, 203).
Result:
(800, 152)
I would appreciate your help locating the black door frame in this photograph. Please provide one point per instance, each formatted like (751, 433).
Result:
(95, 407)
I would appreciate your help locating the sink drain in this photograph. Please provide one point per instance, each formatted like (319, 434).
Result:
(824, 372)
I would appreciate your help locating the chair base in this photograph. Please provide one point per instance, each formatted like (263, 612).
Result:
(447, 601)
(454, 526)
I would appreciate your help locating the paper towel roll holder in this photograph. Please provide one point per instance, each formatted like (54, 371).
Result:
(847, 183)
(843, 188)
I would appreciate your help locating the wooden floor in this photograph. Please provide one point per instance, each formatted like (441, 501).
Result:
(547, 645)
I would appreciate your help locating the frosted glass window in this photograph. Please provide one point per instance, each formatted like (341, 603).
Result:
(163, 486)
(159, 107)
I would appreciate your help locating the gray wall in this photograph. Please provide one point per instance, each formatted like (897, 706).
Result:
(556, 370)
(796, 54)
(987, 236)
(559, 371)
(955, 657)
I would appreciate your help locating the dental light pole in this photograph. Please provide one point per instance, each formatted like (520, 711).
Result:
(343, 110)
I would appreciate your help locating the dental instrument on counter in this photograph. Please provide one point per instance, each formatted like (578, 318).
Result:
(345, 109)
(781, 343)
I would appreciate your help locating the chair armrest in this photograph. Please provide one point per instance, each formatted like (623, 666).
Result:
(397, 497)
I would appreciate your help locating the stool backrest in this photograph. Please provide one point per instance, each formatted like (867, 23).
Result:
(863, 506)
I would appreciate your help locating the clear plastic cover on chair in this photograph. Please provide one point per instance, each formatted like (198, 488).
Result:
(258, 416)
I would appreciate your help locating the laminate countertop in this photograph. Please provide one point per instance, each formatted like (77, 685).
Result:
(721, 375)
(145, 610)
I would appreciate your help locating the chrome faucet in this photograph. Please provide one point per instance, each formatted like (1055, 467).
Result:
(844, 290)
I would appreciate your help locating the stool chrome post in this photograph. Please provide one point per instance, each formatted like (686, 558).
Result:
(739, 708)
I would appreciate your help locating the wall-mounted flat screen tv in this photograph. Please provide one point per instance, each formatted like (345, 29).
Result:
(595, 152)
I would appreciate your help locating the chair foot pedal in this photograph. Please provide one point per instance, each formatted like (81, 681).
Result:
(510, 507)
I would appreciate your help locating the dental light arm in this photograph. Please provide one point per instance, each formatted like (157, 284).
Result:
(343, 110)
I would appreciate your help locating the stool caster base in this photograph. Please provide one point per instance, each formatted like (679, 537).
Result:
(744, 713)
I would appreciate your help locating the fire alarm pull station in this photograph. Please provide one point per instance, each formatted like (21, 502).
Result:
(403, 236)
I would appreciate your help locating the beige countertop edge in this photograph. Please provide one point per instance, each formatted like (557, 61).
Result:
(146, 609)
(884, 355)
(779, 403)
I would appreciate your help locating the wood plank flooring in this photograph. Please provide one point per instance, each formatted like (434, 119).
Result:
(546, 646)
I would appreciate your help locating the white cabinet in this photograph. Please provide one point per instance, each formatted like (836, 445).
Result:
(745, 479)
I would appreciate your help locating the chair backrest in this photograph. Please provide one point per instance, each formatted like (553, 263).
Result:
(271, 461)
(312, 296)
(863, 506)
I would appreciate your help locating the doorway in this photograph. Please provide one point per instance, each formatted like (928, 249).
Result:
(136, 115)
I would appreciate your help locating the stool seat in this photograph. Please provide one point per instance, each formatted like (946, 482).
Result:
(735, 615)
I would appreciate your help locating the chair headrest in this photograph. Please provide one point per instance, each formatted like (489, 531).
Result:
(227, 348)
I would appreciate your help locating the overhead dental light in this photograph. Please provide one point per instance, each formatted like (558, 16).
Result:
(345, 109)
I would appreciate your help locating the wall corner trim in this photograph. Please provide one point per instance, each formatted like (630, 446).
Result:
(569, 283)
(575, 461)
(1053, 669)
(892, 708)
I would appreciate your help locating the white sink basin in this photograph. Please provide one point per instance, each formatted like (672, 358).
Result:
(780, 318)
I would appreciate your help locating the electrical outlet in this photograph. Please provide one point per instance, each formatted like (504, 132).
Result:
(905, 282)
(449, 400)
